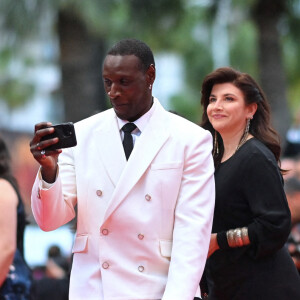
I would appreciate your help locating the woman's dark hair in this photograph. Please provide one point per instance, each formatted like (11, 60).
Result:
(260, 126)
(5, 162)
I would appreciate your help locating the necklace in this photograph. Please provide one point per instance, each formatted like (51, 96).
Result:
(244, 137)
(242, 142)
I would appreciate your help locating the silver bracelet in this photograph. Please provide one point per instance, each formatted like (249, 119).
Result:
(237, 237)
(245, 237)
(230, 238)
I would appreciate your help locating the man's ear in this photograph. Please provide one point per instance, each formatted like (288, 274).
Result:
(150, 74)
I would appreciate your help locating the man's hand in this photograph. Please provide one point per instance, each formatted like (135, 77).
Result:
(46, 158)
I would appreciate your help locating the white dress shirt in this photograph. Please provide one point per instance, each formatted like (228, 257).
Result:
(140, 123)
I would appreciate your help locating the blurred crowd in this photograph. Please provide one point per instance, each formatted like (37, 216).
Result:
(292, 190)
(291, 163)
(52, 280)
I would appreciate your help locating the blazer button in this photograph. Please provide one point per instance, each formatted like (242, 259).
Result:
(105, 265)
(104, 231)
(140, 236)
(141, 268)
(148, 197)
(99, 193)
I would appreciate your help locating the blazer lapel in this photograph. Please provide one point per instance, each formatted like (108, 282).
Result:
(110, 147)
(148, 145)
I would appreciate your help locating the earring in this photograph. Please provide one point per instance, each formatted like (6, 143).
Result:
(216, 144)
(245, 135)
(108, 93)
(247, 127)
(150, 86)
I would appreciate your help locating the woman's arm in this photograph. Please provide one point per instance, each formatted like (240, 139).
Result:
(263, 190)
(232, 238)
(8, 226)
(271, 215)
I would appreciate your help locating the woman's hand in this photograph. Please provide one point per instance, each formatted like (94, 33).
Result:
(213, 245)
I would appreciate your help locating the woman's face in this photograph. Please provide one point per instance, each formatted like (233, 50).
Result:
(227, 110)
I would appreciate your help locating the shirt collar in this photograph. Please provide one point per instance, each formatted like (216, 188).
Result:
(142, 122)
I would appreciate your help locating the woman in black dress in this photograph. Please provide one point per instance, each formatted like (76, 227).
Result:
(247, 257)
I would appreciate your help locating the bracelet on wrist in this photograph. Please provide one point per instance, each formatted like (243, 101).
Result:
(238, 237)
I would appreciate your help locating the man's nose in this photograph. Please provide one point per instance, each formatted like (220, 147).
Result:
(114, 91)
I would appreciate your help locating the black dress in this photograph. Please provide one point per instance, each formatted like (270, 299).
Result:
(249, 192)
(21, 223)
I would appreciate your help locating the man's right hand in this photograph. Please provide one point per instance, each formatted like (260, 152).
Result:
(46, 158)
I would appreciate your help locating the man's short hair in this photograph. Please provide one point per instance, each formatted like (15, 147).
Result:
(134, 47)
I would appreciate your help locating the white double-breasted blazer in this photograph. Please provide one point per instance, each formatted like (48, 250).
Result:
(143, 225)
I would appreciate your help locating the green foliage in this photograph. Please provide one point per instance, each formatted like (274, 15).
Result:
(21, 18)
(187, 105)
(192, 41)
(199, 63)
(115, 19)
(243, 54)
(15, 93)
(291, 53)
(294, 96)
(13, 90)
(175, 25)
(5, 58)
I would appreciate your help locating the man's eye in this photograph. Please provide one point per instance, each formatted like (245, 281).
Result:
(107, 82)
(124, 81)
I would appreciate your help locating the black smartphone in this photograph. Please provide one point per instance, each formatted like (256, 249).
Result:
(66, 134)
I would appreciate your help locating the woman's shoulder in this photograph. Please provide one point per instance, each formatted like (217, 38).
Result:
(256, 149)
(256, 155)
(8, 192)
(5, 184)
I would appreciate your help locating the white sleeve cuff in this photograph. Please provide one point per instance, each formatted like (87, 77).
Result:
(43, 184)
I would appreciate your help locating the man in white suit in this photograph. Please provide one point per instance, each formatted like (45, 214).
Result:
(143, 224)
